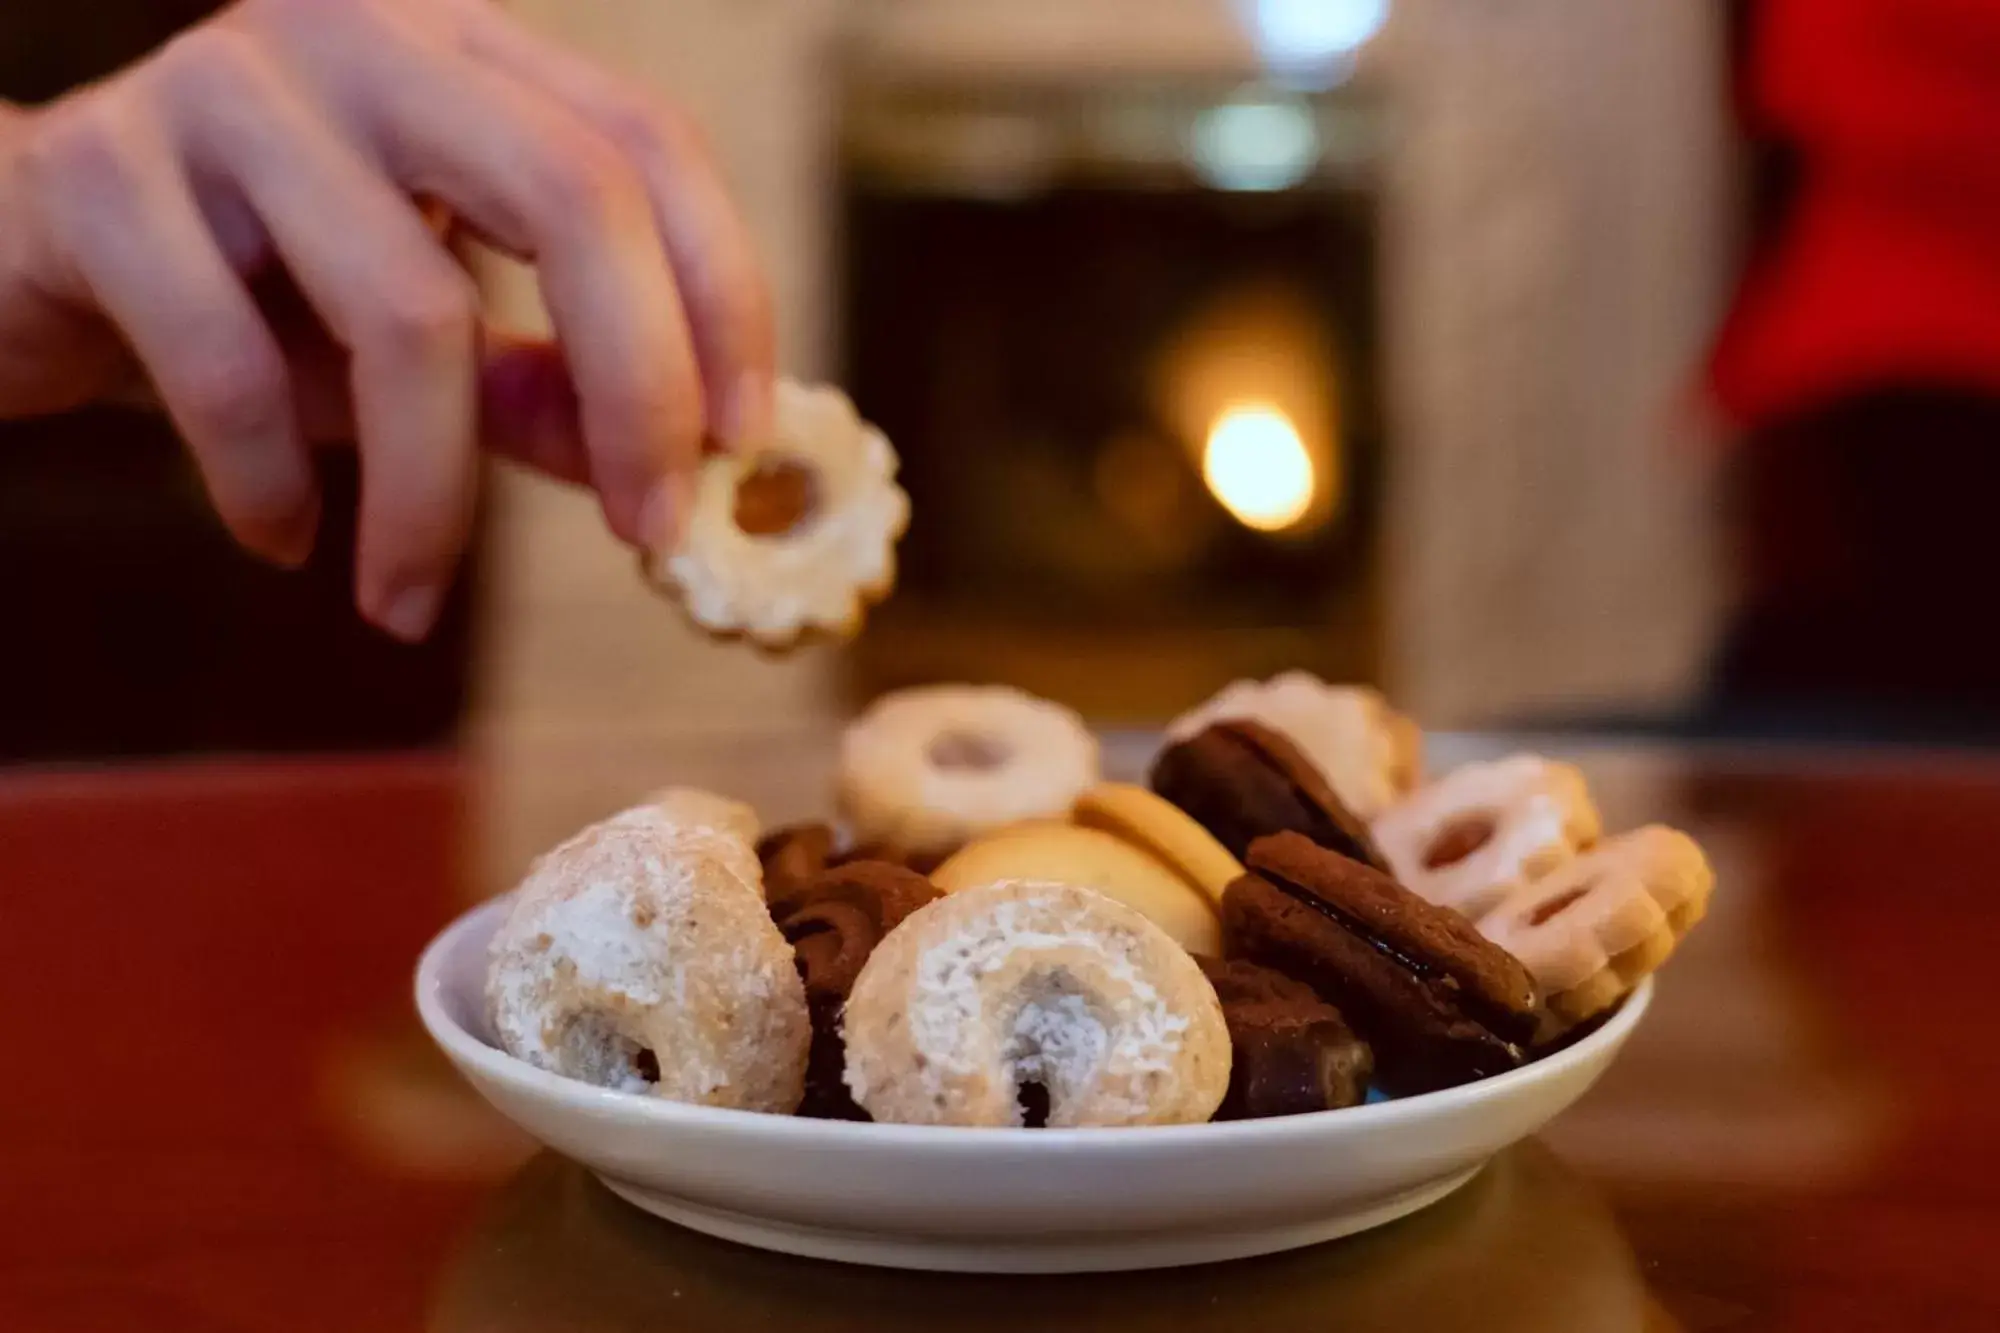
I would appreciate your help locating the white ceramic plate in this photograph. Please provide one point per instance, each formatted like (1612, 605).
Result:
(1005, 1200)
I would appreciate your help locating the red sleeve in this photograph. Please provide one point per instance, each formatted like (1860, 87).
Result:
(1887, 268)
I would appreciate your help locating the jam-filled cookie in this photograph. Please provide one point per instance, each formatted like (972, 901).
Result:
(1591, 929)
(1469, 838)
(1369, 752)
(796, 533)
(924, 770)
(1437, 1004)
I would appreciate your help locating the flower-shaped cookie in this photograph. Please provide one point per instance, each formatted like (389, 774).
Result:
(795, 534)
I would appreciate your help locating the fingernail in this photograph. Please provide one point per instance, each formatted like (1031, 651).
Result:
(752, 410)
(410, 613)
(663, 518)
(293, 545)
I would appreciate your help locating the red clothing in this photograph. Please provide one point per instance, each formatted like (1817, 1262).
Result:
(1887, 268)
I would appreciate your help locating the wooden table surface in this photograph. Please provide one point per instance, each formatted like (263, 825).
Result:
(217, 1113)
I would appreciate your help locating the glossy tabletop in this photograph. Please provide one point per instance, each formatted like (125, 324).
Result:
(217, 1113)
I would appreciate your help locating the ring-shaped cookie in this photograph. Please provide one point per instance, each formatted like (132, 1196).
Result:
(1591, 929)
(1466, 840)
(925, 769)
(794, 534)
(636, 957)
(988, 994)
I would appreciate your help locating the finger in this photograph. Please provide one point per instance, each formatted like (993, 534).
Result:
(540, 182)
(141, 247)
(528, 407)
(527, 401)
(721, 279)
(387, 291)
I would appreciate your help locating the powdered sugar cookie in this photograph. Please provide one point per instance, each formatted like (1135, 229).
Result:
(991, 993)
(695, 810)
(1593, 927)
(925, 769)
(1465, 840)
(726, 828)
(1368, 752)
(795, 534)
(635, 957)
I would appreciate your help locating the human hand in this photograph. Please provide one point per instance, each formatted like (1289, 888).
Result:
(248, 216)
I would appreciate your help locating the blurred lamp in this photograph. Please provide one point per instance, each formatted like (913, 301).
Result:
(1255, 145)
(1312, 42)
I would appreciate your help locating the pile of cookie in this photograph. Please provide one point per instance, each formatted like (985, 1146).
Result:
(1285, 918)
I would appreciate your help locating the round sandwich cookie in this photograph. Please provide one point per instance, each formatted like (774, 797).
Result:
(1242, 781)
(1162, 828)
(1023, 1003)
(1290, 1051)
(1438, 1004)
(1090, 858)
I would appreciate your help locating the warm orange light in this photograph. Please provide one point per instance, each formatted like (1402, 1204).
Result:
(1258, 467)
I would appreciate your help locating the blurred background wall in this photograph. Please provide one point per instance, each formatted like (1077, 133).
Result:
(1556, 236)
(1218, 337)
(1483, 269)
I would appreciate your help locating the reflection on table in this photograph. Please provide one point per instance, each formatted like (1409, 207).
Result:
(1528, 1246)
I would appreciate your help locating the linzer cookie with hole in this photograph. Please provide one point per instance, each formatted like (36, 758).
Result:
(1438, 1004)
(1597, 925)
(1243, 781)
(1469, 838)
(636, 956)
(1367, 751)
(793, 535)
(1290, 1051)
(924, 770)
(834, 919)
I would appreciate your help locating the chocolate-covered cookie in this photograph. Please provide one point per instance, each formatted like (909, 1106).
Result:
(834, 921)
(795, 855)
(1439, 1004)
(1243, 781)
(1291, 1052)
(792, 857)
(921, 862)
